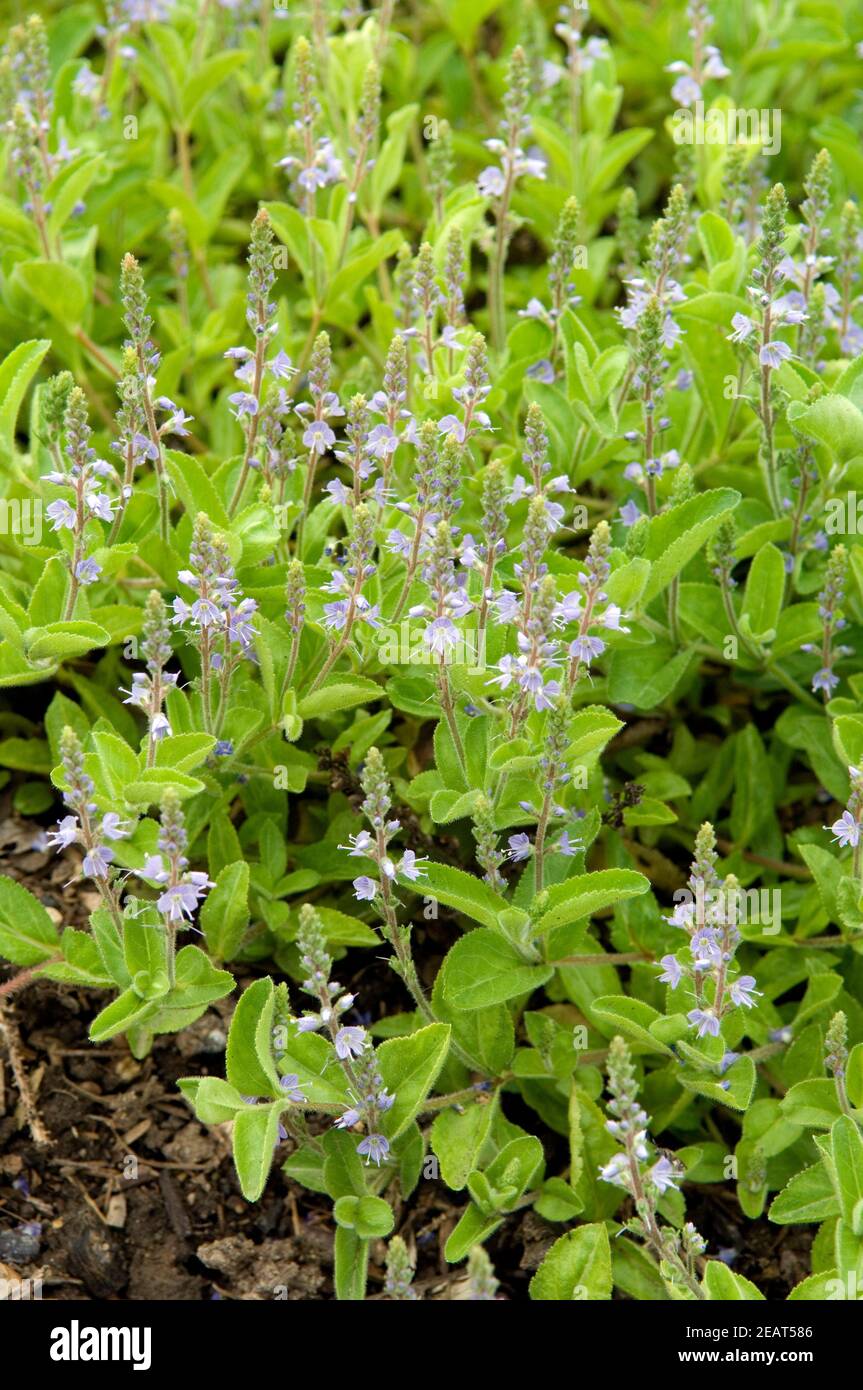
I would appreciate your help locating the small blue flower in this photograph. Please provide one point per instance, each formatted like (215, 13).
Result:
(350, 1042)
(374, 1148)
(290, 1084)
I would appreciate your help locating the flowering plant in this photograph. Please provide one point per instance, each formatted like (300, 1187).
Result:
(423, 630)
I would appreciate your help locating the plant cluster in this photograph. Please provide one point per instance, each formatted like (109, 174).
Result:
(429, 527)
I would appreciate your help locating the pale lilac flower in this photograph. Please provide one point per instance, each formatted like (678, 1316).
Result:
(281, 366)
(743, 991)
(350, 1042)
(319, 437)
(586, 648)
(616, 1171)
(441, 636)
(100, 505)
(154, 868)
(491, 182)
(244, 402)
(290, 1084)
(349, 1119)
(62, 515)
(825, 679)
(409, 866)
(706, 949)
(686, 90)
(365, 888)
(375, 1147)
(113, 828)
(774, 354)
(673, 971)
(663, 1174)
(451, 424)
(97, 861)
(705, 1020)
(359, 845)
(846, 830)
(87, 571)
(742, 327)
(181, 899)
(66, 833)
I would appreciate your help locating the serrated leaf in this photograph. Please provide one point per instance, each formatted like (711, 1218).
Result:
(27, 934)
(578, 1266)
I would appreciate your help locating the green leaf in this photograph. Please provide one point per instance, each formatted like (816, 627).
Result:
(457, 1138)
(351, 1263)
(249, 1060)
(151, 784)
(578, 1266)
(675, 536)
(462, 891)
(734, 1089)
(16, 373)
(63, 641)
(68, 189)
(583, 894)
(834, 421)
(847, 1150)
(225, 913)
(722, 1285)
(342, 930)
(360, 266)
(827, 872)
(371, 1217)
(118, 765)
(632, 1017)
(198, 981)
(472, 1229)
(808, 1196)
(58, 288)
(145, 952)
(339, 693)
(256, 1133)
(811, 1104)
(125, 1012)
(27, 934)
(387, 168)
(511, 1172)
(848, 738)
(214, 1100)
(109, 944)
(210, 76)
(223, 843)
(751, 775)
(182, 752)
(487, 1035)
(648, 676)
(764, 592)
(826, 1286)
(854, 1076)
(194, 488)
(25, 755)
(344, 1173)
(484, 968)
(409, 1067)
